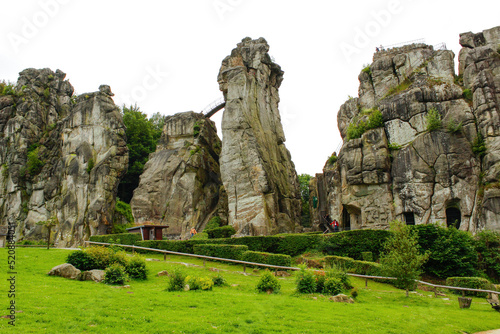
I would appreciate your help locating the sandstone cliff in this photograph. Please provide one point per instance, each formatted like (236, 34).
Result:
(393, 166)
(61, 156)
(256, 168)
(181, 184)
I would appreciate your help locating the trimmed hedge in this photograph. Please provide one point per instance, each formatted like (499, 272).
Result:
(120, 238)
(471, 283)
(267, 258)
(223, 251)
(354, 266)
(221, 232)
(353, 243)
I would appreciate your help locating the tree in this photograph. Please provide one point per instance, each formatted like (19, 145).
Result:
(49, 224)
(142, 136)
(304, 180)
(402, 258)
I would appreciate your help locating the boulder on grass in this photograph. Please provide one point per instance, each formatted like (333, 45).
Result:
(65, 270)
(340, 298)
(95, 275)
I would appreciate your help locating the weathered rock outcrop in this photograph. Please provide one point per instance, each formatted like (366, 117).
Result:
(257, 170)
(61, 157)
(398, 168)
(181, 184)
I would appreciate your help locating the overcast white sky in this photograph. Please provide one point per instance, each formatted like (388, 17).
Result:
(165, 55)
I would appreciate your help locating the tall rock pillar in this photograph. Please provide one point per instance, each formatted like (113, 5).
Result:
(256, 168)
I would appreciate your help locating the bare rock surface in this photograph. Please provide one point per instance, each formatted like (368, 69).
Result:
(61, 156)
(65, 270)
(181, 184)
(256, 168)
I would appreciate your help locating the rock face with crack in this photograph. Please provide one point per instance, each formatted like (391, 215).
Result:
(181, 184)
(256, 168)
(420, 145)
(61, 157)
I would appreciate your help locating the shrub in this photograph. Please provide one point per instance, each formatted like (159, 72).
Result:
(320, 277)
(223, 251)
(355, 131)
(433, 120)
(124, 238)
(125, 210)
(200, 236)
(487, 244)
(34, 164)
(354, 266)
(399, 88)
(375, 120)
(268, 283)
(353, 243)
(354, 293)
(81, 260)
(221, 232)
(219, 280)
(332, 286)
(467, 95)
(394, 146)
(136, 268)
(104, 257)
(115, 274)
(479, 146)
(471, 283)
(214, 222)
(452, 252)
(306, 281)
(367, 256)
(453, 127)
(199, 283)
(90, 165)
(267, 258)
(337, 272)
(332, 159)
(176, 280)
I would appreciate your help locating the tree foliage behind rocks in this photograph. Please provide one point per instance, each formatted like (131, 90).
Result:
(142, 134)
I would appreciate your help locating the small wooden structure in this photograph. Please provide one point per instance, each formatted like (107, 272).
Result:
(3, 235)
(149, 232)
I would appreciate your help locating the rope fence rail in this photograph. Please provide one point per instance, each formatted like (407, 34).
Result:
(245, 263)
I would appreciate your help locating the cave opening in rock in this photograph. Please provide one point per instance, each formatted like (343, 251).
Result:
(453, 217)
(409, 218)
(346, 219)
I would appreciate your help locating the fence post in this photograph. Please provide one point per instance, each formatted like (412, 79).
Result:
(133, 249)
(204, 262)
(366, 282)
(244, 268)
(164, 256)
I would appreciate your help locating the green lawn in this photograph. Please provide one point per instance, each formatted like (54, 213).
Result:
(58, 305)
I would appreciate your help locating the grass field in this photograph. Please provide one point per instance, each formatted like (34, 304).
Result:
(49, 304)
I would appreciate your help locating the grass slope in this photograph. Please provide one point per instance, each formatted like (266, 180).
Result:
(58, 305)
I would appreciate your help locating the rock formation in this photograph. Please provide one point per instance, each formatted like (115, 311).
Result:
(256, 167)
(61, 157)
(393, 166)
(181, 184)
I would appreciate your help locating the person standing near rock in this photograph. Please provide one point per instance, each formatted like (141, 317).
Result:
(193, 231)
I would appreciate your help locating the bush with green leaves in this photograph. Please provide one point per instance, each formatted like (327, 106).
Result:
(487, 244)
(401, 258)
(81, 260)
(471, 283)
(221, 232)
(354, 266)
(176, 280)
(136, 268)
(479, 146)
(332, 286)
(199, 283)
(104, 257)
(34, 164)
(452, 252)
(115, 274)
(433, 120)
(219, 280)
(267, 258)
(214, 222)
(234, 252)
(306, 280)
(200, 236)
(353, 243)
(268, 283)
(375, 120)
(355, 131)
(467, 95)
(333, 158)
(367, 256)
(454, 127)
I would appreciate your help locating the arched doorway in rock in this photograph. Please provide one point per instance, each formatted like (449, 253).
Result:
(453, 217)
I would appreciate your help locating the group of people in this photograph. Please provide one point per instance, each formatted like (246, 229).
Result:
(333, 223)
